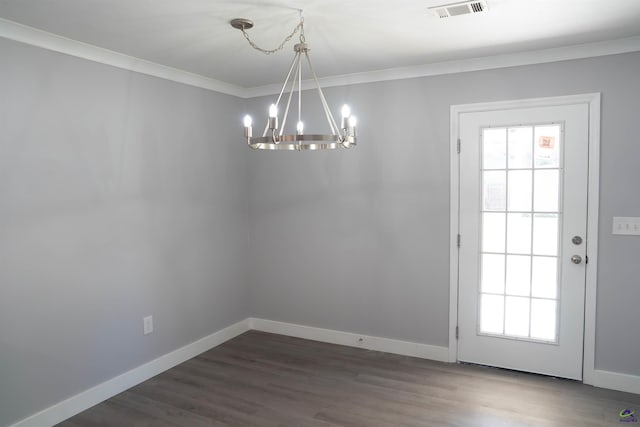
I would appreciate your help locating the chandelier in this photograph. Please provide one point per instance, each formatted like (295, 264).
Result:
(274, 136)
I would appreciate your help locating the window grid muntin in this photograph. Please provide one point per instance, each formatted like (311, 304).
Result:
(558, 216)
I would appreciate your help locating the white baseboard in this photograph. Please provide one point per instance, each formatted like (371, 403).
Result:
(80, 402)
(405, 348)
(616, 381)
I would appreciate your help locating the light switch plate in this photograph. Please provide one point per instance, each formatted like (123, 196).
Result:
(147, 325)
(626, 225)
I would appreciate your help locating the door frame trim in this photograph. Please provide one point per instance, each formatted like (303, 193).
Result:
(593, 196)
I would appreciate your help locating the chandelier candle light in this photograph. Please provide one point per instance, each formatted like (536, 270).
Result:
(274, 137)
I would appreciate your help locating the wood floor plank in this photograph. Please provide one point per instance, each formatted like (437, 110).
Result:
(260, 379)
(161, 410)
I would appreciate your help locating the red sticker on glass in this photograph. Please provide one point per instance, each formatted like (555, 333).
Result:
(547, 142)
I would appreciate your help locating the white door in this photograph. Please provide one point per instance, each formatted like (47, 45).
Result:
(523, 220)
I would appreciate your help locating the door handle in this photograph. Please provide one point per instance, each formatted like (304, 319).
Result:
(576, 259)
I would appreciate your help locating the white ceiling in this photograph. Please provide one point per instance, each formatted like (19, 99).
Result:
(346, 36)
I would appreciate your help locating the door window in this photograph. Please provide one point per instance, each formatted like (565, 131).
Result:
(521, 177)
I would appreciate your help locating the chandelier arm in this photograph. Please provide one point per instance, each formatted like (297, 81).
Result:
(325, 105)
(286, 80)
(291, 90)
(300, 87)
(284, 85)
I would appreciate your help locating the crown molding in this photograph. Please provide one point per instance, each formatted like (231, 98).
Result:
(566, 53)
(32, 36)
(18, 32)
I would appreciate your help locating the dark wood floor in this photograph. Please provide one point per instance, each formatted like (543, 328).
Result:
(260, 379)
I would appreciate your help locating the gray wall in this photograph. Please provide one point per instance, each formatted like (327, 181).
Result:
(358, 240)
(121, 196)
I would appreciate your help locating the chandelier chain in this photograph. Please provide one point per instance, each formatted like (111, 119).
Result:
(299, 27)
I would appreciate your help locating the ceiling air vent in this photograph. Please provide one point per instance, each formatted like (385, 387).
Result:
(461, 8)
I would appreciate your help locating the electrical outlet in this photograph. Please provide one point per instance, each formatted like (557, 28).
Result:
(626, 225)
(147, 325)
